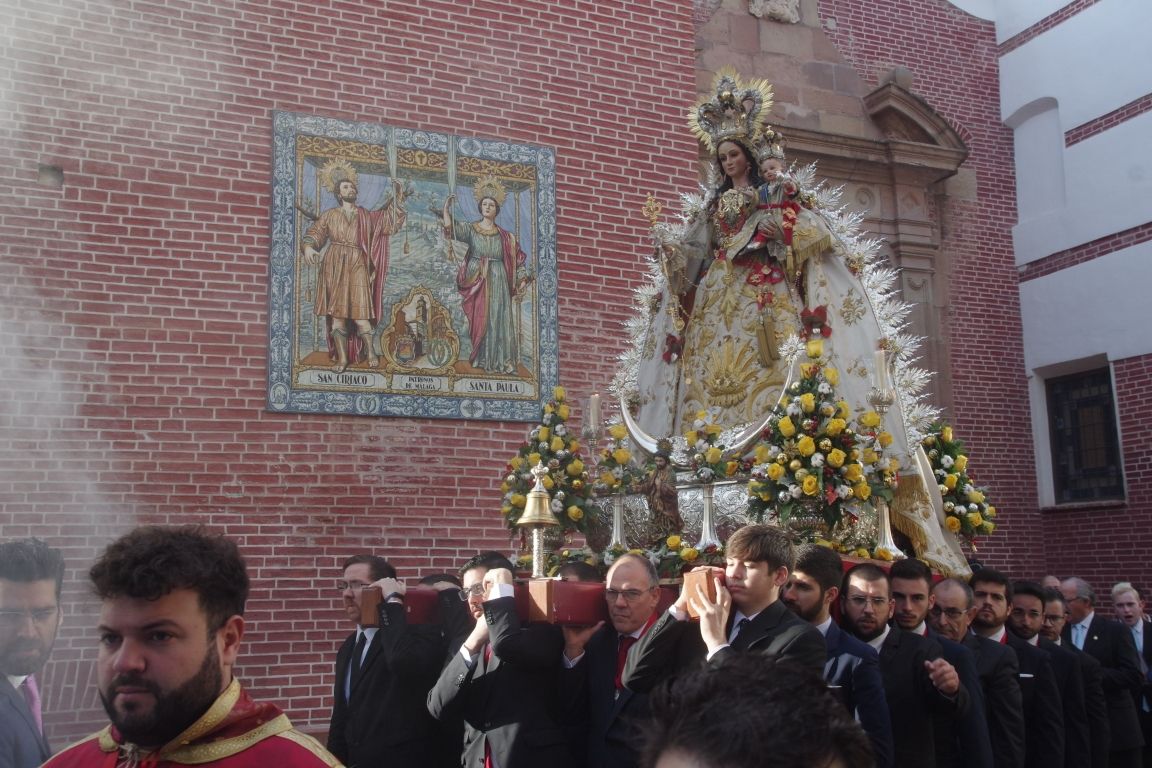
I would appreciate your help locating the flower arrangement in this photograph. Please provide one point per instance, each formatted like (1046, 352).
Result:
(551, 443)
(708, 461)
(672, 556)
(554, 561)
(811, 461)
(618, 472)
(967, 511)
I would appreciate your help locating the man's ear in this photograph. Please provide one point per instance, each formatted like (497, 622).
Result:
(228, 639)
(830, 595)
(780, 577)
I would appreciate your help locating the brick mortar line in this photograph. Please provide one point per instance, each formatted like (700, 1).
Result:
(1042, 26)
(1081, 254)
(1100, 124)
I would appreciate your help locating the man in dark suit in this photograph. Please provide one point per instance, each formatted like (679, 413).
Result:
(851, 669)
(747, 616)
(996, 664)
(383, 675)
(918, 682)
(960, 741)
(503, 679)
(1025, 619)
(1095, 705)
(594, 658)
(1112, 645)
(1043, 708)
(1128, 605)
(31, 574)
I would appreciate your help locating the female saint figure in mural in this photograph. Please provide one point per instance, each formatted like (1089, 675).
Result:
(490, 280)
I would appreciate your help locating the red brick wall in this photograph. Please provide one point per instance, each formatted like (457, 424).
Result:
(954, 58)
(133, 300)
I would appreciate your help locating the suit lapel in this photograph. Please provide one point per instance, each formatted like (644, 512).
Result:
(15, 699)
(756, 629)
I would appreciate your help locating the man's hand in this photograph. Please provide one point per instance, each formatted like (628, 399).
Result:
(311, 255)
(478, 637)
(496, 576)
(766, 227)
(576, 639)
(444, 586)
(713, 614)
(389, 587)
(943, 676)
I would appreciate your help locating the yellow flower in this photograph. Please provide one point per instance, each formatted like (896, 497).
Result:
(893, 464)
(548, 409)
(975, 519)
(990, 511)
(636, 551)
(713, 455)
(702, 415)
(557, 443)
(836, 458)
(618, 431)
(825, 543)
(870, 419)
(545, 434)
(806, 446)
(961, 463)
(815, 348)
(575, 468)
(832, 375)
(787, 428)
(608, 479)
(731, 467)
(713, 429)
(548, 482)
(690, 437)
(621, 456)
(870, 456)
(885, 439)
(673, 542)
(808, 371)
(575, 513)
(862, 491)
(533, 460)
(775, 471)
(563, 412)
(952, 523)
(517, 462)
(808, 402)
(834, 427)
(843, 410)
(882, 554)
(762, 455)
(688, 554)
(987, 527)
(854, 473)
(574, 446)
(517, 500)
(811, 485)
(975, 497)
(946, 434)
(860, 552)
(558, 393)
(950, 481)
(506, 510)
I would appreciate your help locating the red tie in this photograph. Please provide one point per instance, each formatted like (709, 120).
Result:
(1004, 639)
(626, 642)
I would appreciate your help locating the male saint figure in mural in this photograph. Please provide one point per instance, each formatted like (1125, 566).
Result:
(350, 278)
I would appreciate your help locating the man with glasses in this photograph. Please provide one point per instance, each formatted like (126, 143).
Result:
(1095, 705)
(383, 673)
(1112, 645)
(31, 574)
(918, 682)
(996, 664)
(594, 658)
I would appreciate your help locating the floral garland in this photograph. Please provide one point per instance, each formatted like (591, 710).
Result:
(967, 512)
(811, 460)
(553, 444)
(707, 454)
(618, 472)
(672, 557)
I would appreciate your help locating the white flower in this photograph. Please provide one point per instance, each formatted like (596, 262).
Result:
(527, 476)
(844, 491)
(949, 506)
(825, 388)
(699, 424)
(618, 472)
(701, 445)
(561, 430)
(705, 473)
(794, 409)
(534, 434)
(941, 473)
(560, 495)
(784, 496)
(796, 491)
(548, 419)
(817, 459)
(557, 505)
(542, 447)
(968, 488)
(510, 479)
(973, 508)
(946, 461)
(943, 490)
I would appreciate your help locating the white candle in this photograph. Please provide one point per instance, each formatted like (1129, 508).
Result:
(594, 411)
(880, 377)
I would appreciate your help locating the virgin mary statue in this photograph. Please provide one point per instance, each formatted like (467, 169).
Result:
(755, 268)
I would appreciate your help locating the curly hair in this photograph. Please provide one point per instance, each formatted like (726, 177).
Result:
(27, 560)
(153, 561)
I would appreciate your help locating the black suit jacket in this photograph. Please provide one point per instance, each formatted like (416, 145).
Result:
(608, 723)
(1111, 644)
(852, 670)
(672, 645)
(913, 700)
(962, 739)
(999, 670)
(21, 744)
(1043, 707)
(1070, 681)
(1095, 706)
(384, 720)
(1145, 696)
(508, 702)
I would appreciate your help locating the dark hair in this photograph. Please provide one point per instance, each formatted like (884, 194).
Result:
(1054, 595)
(153, 561)
(489, 561)
(27, 560)
(748, 708)
(378, 567)
(912, 570)
(643, 562)
(956, 583)
(821, 563)
(1030, 588)
(762, 543)
(992, 576)
(437, 578)
(753, 168)
(580, 571)
(867, 572)
(495, 202)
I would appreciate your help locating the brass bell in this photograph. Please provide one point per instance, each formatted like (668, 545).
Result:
(538, 507)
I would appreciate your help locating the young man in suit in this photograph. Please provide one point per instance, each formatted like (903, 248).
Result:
(1092, 674)
(503, 679)
(851, 668)
(594, 658)
(747, 616)
(1112, 645)
(1129, 607)
(31, 574)
(383, 673)
(918, 683)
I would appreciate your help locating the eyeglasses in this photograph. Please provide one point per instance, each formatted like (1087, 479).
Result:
(876, 602)
(355, 586)
(952, 613)
(475, 590)
(1020, 613)
(13, 618)
(1054, 618)
(630, 595)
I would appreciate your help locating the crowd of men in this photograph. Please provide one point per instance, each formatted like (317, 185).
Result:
(788, 660)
